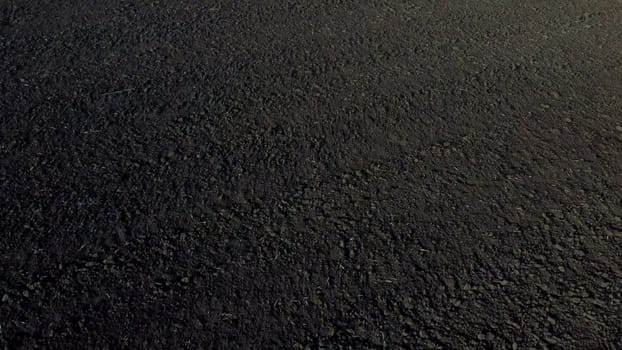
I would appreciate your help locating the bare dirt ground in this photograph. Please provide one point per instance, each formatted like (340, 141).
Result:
(311, 174)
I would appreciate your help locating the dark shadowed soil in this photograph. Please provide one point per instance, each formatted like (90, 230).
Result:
(311, 174)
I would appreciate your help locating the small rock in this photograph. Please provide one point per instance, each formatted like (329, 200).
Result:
(408, 303)
(449, 282)
(376, 339)
(5, 298)
(120, 231)
(540, 257)
(315, 300)
(198, 324)
(550, 340)
(410, 323)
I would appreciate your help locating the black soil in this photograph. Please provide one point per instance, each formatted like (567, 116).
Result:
(311, 174)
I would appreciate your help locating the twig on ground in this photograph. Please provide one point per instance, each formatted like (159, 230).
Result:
(117, 92)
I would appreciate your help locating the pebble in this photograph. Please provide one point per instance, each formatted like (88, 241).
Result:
(315, 300)
(410, 323)
(198, 324)
(408, 303)
(120, 231)
(550, 340)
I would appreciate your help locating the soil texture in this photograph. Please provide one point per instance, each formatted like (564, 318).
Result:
(372, 174)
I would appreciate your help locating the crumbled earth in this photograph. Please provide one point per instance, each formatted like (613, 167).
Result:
(311, 174)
